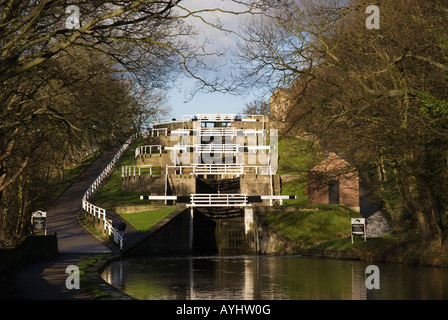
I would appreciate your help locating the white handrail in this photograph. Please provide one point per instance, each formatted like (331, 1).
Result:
(216, 148)
(219, 200)
(136, 170)
(226, 131)
(210, 117)
(143, 150)
(98, 211)
(221, 169)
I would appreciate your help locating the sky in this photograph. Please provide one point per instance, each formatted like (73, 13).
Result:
(211, 102)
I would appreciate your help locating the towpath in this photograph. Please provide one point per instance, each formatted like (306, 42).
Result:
(45, 280)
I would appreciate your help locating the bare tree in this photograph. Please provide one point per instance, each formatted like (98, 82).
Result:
(82, 75)
(257, 107)
(376, 96)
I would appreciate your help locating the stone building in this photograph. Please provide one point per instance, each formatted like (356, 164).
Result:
(334, 181)
(279, 104)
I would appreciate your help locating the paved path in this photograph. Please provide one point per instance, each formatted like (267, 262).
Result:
(62, 216)
(45, 280)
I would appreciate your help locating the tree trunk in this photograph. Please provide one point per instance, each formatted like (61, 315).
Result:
(419, 201)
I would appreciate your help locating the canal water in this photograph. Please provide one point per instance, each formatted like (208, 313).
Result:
(271, 278)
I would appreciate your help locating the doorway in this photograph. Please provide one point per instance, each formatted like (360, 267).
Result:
(333, 192)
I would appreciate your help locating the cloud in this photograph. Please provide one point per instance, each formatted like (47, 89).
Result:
(211, 18)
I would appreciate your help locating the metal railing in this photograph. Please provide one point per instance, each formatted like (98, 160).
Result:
(155, 132)
(220, 169)
(98, 211)
(138, 170)
(217, 148)
(219, 200)
(210, 117)
(223, 132)
(148, 149)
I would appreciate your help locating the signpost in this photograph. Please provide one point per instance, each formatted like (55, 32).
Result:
(39, 221)
(359, 227)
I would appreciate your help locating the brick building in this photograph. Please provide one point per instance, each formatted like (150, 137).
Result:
(334, 181)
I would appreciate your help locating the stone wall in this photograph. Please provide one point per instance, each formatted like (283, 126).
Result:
(145, 183)
(181, 185)
(256, 185)
(32, 248)
(169, 236)
(272, 242)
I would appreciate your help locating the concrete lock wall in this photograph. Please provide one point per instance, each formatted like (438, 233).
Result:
(256, 185)
(169, 236)
(178, 234)
(145, 183)
(181, 185)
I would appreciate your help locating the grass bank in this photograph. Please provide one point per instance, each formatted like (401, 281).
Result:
(111, 194)
(87, 283)
(143, 221)
(325, 232)
(311, 225)
(390, 249)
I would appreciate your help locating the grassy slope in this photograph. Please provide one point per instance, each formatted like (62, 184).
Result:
(142, 221)
(311, 227)
(111, 194)
(72, 173)
(296, 157)
(304, 226)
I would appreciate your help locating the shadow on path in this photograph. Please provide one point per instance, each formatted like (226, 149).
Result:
(45, 280)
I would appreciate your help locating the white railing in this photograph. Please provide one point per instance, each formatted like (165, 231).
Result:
(220, 169)
(100, 212)
(216, 148)
(223, 132)
(155, 132)
(181, 132)
(210, 117)
(159, 121)
(147, 149)
(138, 170)
(219, 200)
(217, 169)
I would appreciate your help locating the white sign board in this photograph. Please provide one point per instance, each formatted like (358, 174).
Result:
(359, 227)
(39, 221)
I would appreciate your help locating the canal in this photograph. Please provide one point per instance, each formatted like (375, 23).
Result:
(270, 278)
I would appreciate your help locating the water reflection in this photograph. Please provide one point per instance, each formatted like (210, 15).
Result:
(269, 278)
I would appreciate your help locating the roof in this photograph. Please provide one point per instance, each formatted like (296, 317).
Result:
(333, 163)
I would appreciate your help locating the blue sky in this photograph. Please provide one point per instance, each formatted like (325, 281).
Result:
(211, 102)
